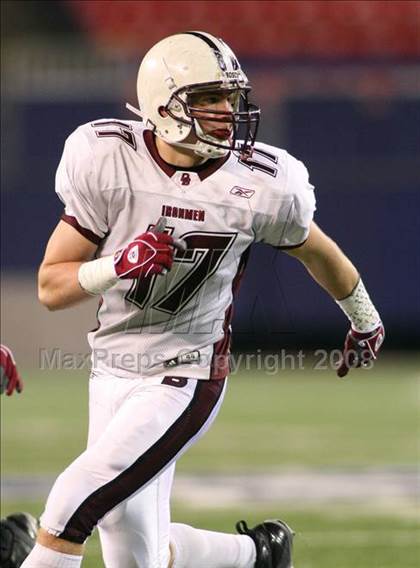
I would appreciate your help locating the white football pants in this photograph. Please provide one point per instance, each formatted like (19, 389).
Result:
(122, 482)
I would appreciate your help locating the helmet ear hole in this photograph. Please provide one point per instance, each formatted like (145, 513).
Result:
(162, 111)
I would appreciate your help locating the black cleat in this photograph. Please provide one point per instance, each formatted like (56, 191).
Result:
(273, 541)
(17, 536)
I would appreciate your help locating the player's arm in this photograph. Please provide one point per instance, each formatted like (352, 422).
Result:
(68, 274)
(330, 267)
(326, 263)
(58, 283)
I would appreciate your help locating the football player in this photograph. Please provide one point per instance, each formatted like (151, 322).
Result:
(159, 218)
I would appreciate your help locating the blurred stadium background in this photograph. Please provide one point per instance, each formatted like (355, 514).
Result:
(339, 87)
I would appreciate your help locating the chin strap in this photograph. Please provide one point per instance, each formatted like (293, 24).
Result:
(190, 147)
(200, 148)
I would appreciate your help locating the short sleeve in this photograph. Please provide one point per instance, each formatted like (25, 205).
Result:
(291, 209)
(76, 185)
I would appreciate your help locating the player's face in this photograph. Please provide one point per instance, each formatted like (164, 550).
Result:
(219, 126)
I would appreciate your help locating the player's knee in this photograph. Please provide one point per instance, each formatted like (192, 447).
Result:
(113, 519)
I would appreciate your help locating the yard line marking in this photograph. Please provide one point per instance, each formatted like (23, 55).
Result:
(383, 489)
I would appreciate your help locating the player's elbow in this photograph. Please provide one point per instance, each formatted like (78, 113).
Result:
(46, 294)
(48, 303)
(47, 299)
(58, 286)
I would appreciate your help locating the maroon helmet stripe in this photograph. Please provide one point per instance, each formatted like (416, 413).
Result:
(148, 465)
(89, 235)
(206, 40)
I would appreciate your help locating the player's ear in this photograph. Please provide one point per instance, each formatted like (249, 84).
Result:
(162, 112)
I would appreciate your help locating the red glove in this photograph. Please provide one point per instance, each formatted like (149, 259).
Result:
(360, 349)
(10, 379)
(149, 253)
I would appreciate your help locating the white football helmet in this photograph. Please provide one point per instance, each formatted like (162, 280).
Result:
(186, 64)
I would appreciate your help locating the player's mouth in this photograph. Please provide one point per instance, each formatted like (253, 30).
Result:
(222, 133)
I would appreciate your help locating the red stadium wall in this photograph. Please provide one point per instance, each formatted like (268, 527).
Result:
(308, 29)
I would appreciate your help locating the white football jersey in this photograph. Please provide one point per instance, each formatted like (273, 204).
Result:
(115, 186)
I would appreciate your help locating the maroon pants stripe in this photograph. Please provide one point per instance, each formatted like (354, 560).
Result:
(147, 466)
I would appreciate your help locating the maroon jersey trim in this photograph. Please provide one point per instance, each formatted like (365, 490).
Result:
(204, 170)
(220, 366)
(147, 466)
(290, 247)
(84, 232)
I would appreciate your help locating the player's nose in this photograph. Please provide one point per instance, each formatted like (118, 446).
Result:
(225, 106)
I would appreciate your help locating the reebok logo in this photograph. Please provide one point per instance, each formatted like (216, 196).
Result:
(242, 192)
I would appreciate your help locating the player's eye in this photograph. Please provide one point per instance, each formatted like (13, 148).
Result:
(205, 99)
(213, 99)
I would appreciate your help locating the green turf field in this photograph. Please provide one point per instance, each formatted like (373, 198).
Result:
(302, 420)
(324, 539)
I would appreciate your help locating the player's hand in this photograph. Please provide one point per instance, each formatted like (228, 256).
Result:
(360, 349)
(149, 253)
(10, 379)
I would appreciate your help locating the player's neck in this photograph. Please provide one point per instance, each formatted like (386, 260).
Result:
(177, 156)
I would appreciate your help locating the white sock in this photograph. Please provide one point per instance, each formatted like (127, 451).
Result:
(43, 557)
(207, 549)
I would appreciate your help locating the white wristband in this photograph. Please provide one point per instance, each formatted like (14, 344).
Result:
(359, 309)
(96, 276)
